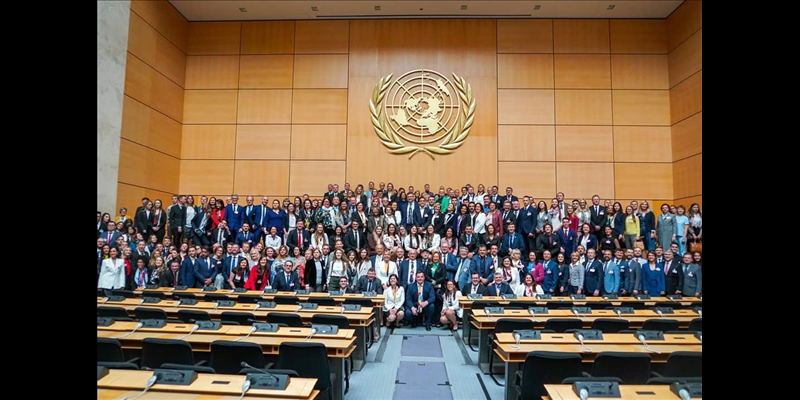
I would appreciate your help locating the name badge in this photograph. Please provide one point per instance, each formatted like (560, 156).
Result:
(591, 270)
(691, 275)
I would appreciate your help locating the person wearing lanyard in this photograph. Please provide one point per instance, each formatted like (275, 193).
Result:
(451, 308)
(529, 288)
(141, 277)
(395, 297)
(419, 302)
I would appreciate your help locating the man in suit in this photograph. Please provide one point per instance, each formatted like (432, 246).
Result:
(549, 240)
(509, 197)
(427, 211)
(140, 253)
(469, 240)
(634, 275)
(234, 214)
(172, 277)
(176, 217)
(482, 263)
(508, 216)
(298, 237)
(461, 268)
(597, 215)
(527, 223)
(111, 235)
(288, 280)
(257, 216)
(202, 228)
(624, 275)
(409, 268)
(245, 236)
(447, 260)
(187, 268)
(673, 281)
(412, 215)
(610, 274)
(369, 283)
(205, 270)
(330, 193)
(474, 286)
(419, 301)
(568, 238)
(592, 274)
(221, 235)
(354, 239)
(512, 240)
(692, 277)
(495, 198)
(498, 287)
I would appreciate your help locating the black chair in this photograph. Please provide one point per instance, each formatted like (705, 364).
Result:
(632, 368)
(504, 325)
(555, 305)
(243, 318)
(227, 356)
(156, 352)
(674, 304)
(224, 322)
(597, 305)
(670, 381)
(683, 364)
(117, 365)
(292, 373)
(292, 320)
(324, 301)
(545, 367)
(215, 297)
(681, 332)
(610, 325)
(365, 304)
(662, 325)
(113, 312)
(249, 299)
(696, 325)
(560, 325)
(190, 316)
(150, 313)
(110, 350)
(196, 368)
(479, 305)
(178, 296)
(341, 322)
(286, 300)
(159, 295)
(310, 360)
(636, 305)
(128, 294)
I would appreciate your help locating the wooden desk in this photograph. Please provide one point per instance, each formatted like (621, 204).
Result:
(130, 383)
(631, 392)
(377, 300)
(234, 330)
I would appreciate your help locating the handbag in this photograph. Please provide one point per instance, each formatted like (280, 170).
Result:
(694, 246)
(638, 243)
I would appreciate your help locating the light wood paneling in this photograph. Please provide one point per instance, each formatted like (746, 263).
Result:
(686, 99)
(685, 21)
(268, 37)
(142, 39)
(686, 59)
(320, 71)
(585, 179)
(309, 176)
(165, 19)
(537, 179)
(265, 106)
(319, 142)
(524, 36)
(525, 71)
(208, 142)
(263, 142)
(526, 143)
(584, 143)
(582, 71)
(214, 38)
(319, 106)
(581, 36)
(517, 107)
(641, 107)
(215, 176)
(643, 181)
(583, 107)
(639, 36)
(139, 80)
(687, 202)
(147, 168)
(130, 197)
(266, 72)
(261, 177)
(687, 137)
(688, 177)
(212, 72)
(167, 96)
(143, 125)
(210, 107)
(639, 72)
(642, 144)
(147, 85)
(165, 134)
(170, 61)
(321, 37)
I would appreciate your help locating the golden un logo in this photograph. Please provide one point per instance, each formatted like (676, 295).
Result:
(422, 111)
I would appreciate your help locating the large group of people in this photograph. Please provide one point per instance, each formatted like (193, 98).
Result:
(420, 250)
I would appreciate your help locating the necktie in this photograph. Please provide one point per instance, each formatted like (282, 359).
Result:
(666, 268)
(497, 288)
(512, 240)
(208, 261)
(605, 267)
(474, 289)
(419, 290)
(410, 209)
(468, 239)
(141, 279)
(110, 233)
(287, 281)
(411, 273)
(458, 273)
(176, 278)
(357, 241)
(369, 286)
(596, 209)
(551, 239)
(299, 239)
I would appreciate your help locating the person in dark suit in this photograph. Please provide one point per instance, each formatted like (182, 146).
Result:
(469, 240)
(597, 215)
(205, 270)
(592, 274)
(460, 222)
(482, 263)
(222, 234)
(142, 219)
(172, 277)
(587, 239)
(176, 218)
(369, 283)
(692, 277)
(111, 234)
(187, 267)
(288, 280)
(245, 236)
(157, 221)
(419, 301)
(409, 268)
(498, 287)
(673, 281)
(568, 238)
(298, 237)
(512, 240)
(527, 223)
(201, 225)
(509, 197)
(140, 253)
(507, 216)
(354, 239)
(411, 213)
(475, 286)
(548, 240)
(234, 214)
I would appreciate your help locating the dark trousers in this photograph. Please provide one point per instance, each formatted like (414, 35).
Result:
(427, 313)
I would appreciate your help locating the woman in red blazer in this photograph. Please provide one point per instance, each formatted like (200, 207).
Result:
(218, 213)
(259, 276)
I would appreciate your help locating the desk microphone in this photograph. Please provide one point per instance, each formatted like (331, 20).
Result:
(263, 371)
(141, 301)
(699, 312)
(517, 337)
(150, 383)
(658, 311)
(619, 312)
(579, 336)
(575, 310)
(533, 314)
(245, 387)
(646, 346)
(194, 328)
(684, 394)
(488, 313)
(313, 331)
(105, 299)
(139, 325)
(257, 307)
(584, 394)
(253, 329)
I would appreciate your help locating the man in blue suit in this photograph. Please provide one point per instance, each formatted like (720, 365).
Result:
(288, 280)
(187, 268)
(512, 240)
(624, 271)
(111, 234)
(510, 195)
(592, 274)
(234, 214)
(610, 274)
(409, 269)
(411, 213)
(462, 268)
(245, 235)
(230, 262)
(258, 217)
(482, 263)
(419, 301)
(205, 271)
(568, 238)
(499, 287)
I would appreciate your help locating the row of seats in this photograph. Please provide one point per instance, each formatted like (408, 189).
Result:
(227, 317)
(595, 305)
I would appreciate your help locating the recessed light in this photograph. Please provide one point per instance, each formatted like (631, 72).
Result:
(377, 8)
(537, 7)
(611, 7)
(242, 9)
(463, 7)
(314, 8)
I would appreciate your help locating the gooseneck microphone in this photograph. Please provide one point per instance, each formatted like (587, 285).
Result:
(239, 339)
(194, 328)
(245, 387)
(646, 346)
(139, 325)
(150, 383)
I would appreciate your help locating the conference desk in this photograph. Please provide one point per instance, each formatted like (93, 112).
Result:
(512, 356)
(466, 304)
(338, 349)
(234, 330)
(120, 383)
(377, 300)
(627, 392)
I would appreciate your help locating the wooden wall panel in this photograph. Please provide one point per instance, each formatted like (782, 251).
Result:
(688, 177)
(687, 137)
(170, 61)
(638, 36)
(641, 107)
(265, 106)
(309, 176)
(147, 168)
(685, 21)
(130, 197)
(525, 71)
(212, 72)
(581, 36)
(215, 176)
(263, 142)
(585, 179)
(687, 202)
(143, 125)
(139, 80)
(268, 37)
(524, 36)
(537, 179)
(313, 106)
(639, 72)
(167, 96)
(686, 99)
(686, 59)
(142, 39)
(261, 177)
(320, 71)
(643, 181)
(582, 71)
(322, 37)
(209, 107)
(319, 142)
(266, 72)
(583, 107)
(526, 143)
(165, 19)
(214, 38)
(208, 142)
(517, 107)
(584, 143)
(642, 144)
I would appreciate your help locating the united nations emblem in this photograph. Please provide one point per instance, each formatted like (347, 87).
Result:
(422, 111)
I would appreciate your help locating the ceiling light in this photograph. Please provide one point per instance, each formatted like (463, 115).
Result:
(536, 7)
(377, 8)
(463, 7)
(242, 9)
(610, 7)
(314, 8)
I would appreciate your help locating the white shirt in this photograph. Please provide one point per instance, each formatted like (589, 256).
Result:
(112, 274)
(381, 269)
(521, 291)
(452, 303)
(272, 241)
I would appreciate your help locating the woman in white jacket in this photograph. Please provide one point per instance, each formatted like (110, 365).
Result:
(450, 306)
(395, 302)
(529, 288)
(112, 273)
